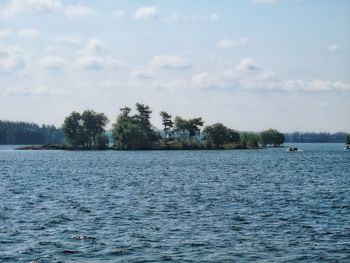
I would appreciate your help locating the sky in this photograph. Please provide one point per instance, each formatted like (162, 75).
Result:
(250, 64)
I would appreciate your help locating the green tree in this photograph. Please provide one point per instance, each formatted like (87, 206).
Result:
(102, 141)
(216, 134)
(93, 124)
(13, 132)
(182, 125)
(144, 115)
(73, 129)
(82, 129)
(249, 140)
(134, 132)
(166, 121)
(271, 136)
(232, 136)
(194, 125)
(143, 119)
(121, 129)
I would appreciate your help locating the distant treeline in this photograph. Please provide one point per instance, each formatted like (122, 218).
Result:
(312, 137)
(29, 133)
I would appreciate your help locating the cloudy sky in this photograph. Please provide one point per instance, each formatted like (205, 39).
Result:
(251, 64)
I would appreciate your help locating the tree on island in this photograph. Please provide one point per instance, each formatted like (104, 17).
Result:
(182, 125)
(191, 125)
(271, 136)
(348, 139)
(249, 140)
(194, 126)
(94, 124)
(82, 130)
(167, 122)
(218, 134)
(134, 132)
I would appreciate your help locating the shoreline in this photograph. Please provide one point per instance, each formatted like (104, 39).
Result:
(70, 148)
(64, 147)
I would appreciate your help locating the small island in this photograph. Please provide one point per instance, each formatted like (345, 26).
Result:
(86, 131)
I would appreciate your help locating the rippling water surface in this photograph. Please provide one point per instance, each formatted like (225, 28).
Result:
(182, 206)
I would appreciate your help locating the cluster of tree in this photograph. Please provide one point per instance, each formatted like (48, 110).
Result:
(297, 137)
(218, 135)
(249, 140)
(191, 125)
(136, 132)
(86, 130)
(29, 133)
(222, 136)
(182, 133)
(272, 137)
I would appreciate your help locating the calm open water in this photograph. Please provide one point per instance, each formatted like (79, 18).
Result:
(182, 206)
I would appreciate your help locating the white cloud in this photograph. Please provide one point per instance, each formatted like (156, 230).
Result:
(92, 62)
(205, 81)
(333, 48)
(4, 33)
(146, 12)
(49, 49)
(247, 64)
(315, 85)
(78, 10)
(227, 43)
(247, 75)
(142, 74)
(40, 90)
(93, 56)
(93, 46)
(171, 62)
(118, 13)
(17, 7)
(69, 40)
(29, 33)
(11, 60)
(53, 62)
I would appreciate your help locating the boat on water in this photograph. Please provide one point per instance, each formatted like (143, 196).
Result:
(347, 147)
(294, 149)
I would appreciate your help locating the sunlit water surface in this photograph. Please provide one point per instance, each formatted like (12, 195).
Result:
(183, 206)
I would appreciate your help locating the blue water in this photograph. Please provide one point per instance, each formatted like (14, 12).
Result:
(183, 206)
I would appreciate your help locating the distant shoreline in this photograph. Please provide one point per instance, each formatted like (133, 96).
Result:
(64, 147)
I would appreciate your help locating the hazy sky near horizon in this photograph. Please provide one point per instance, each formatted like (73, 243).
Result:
(250, 64)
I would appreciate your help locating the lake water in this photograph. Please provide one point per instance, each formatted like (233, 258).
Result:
(264, 205)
